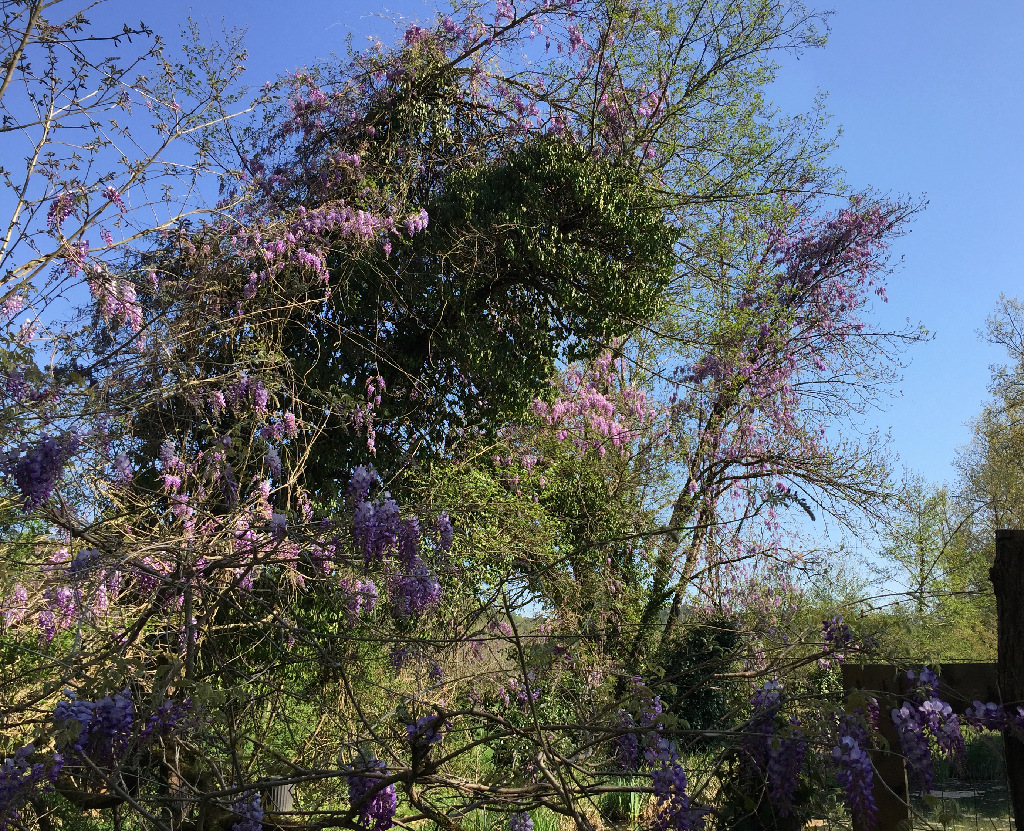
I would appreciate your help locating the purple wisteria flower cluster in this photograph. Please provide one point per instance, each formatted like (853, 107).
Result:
(105, 730)
(923, 721)
(375, 805)
(19, 781)
(116, 299)
(165, 720)
(385, 538)
(15, 385)
(785, 762)
(61, 207)
(520, 822)
(675, 812)
(101, 730)
(14, 607)
(35, 468)
(426, 731)
(645, 729)
(992, 716)
(856, 776)
(588, 415)
(249, 809)
(836, 637)
(774, 751)
(853, 764)
(360, 597)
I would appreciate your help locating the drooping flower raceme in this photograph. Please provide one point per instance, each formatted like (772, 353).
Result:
(923, 720)
(375, 805)
(19, 780)
(35, 468)
(986, 715)
(992, 716)
(104, 727)
(249, 809)
(675, 813)
(786, 755)
(416, 591)
(520, 822)
(426, 731)
(914, 743)
(856, 777)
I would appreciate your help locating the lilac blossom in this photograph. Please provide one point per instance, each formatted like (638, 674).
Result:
(261, 499)
(362, 597)
(944, 727)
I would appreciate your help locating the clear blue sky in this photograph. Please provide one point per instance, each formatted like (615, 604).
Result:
(931, 102)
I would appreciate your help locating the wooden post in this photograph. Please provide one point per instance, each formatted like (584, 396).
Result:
(1007, 577)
